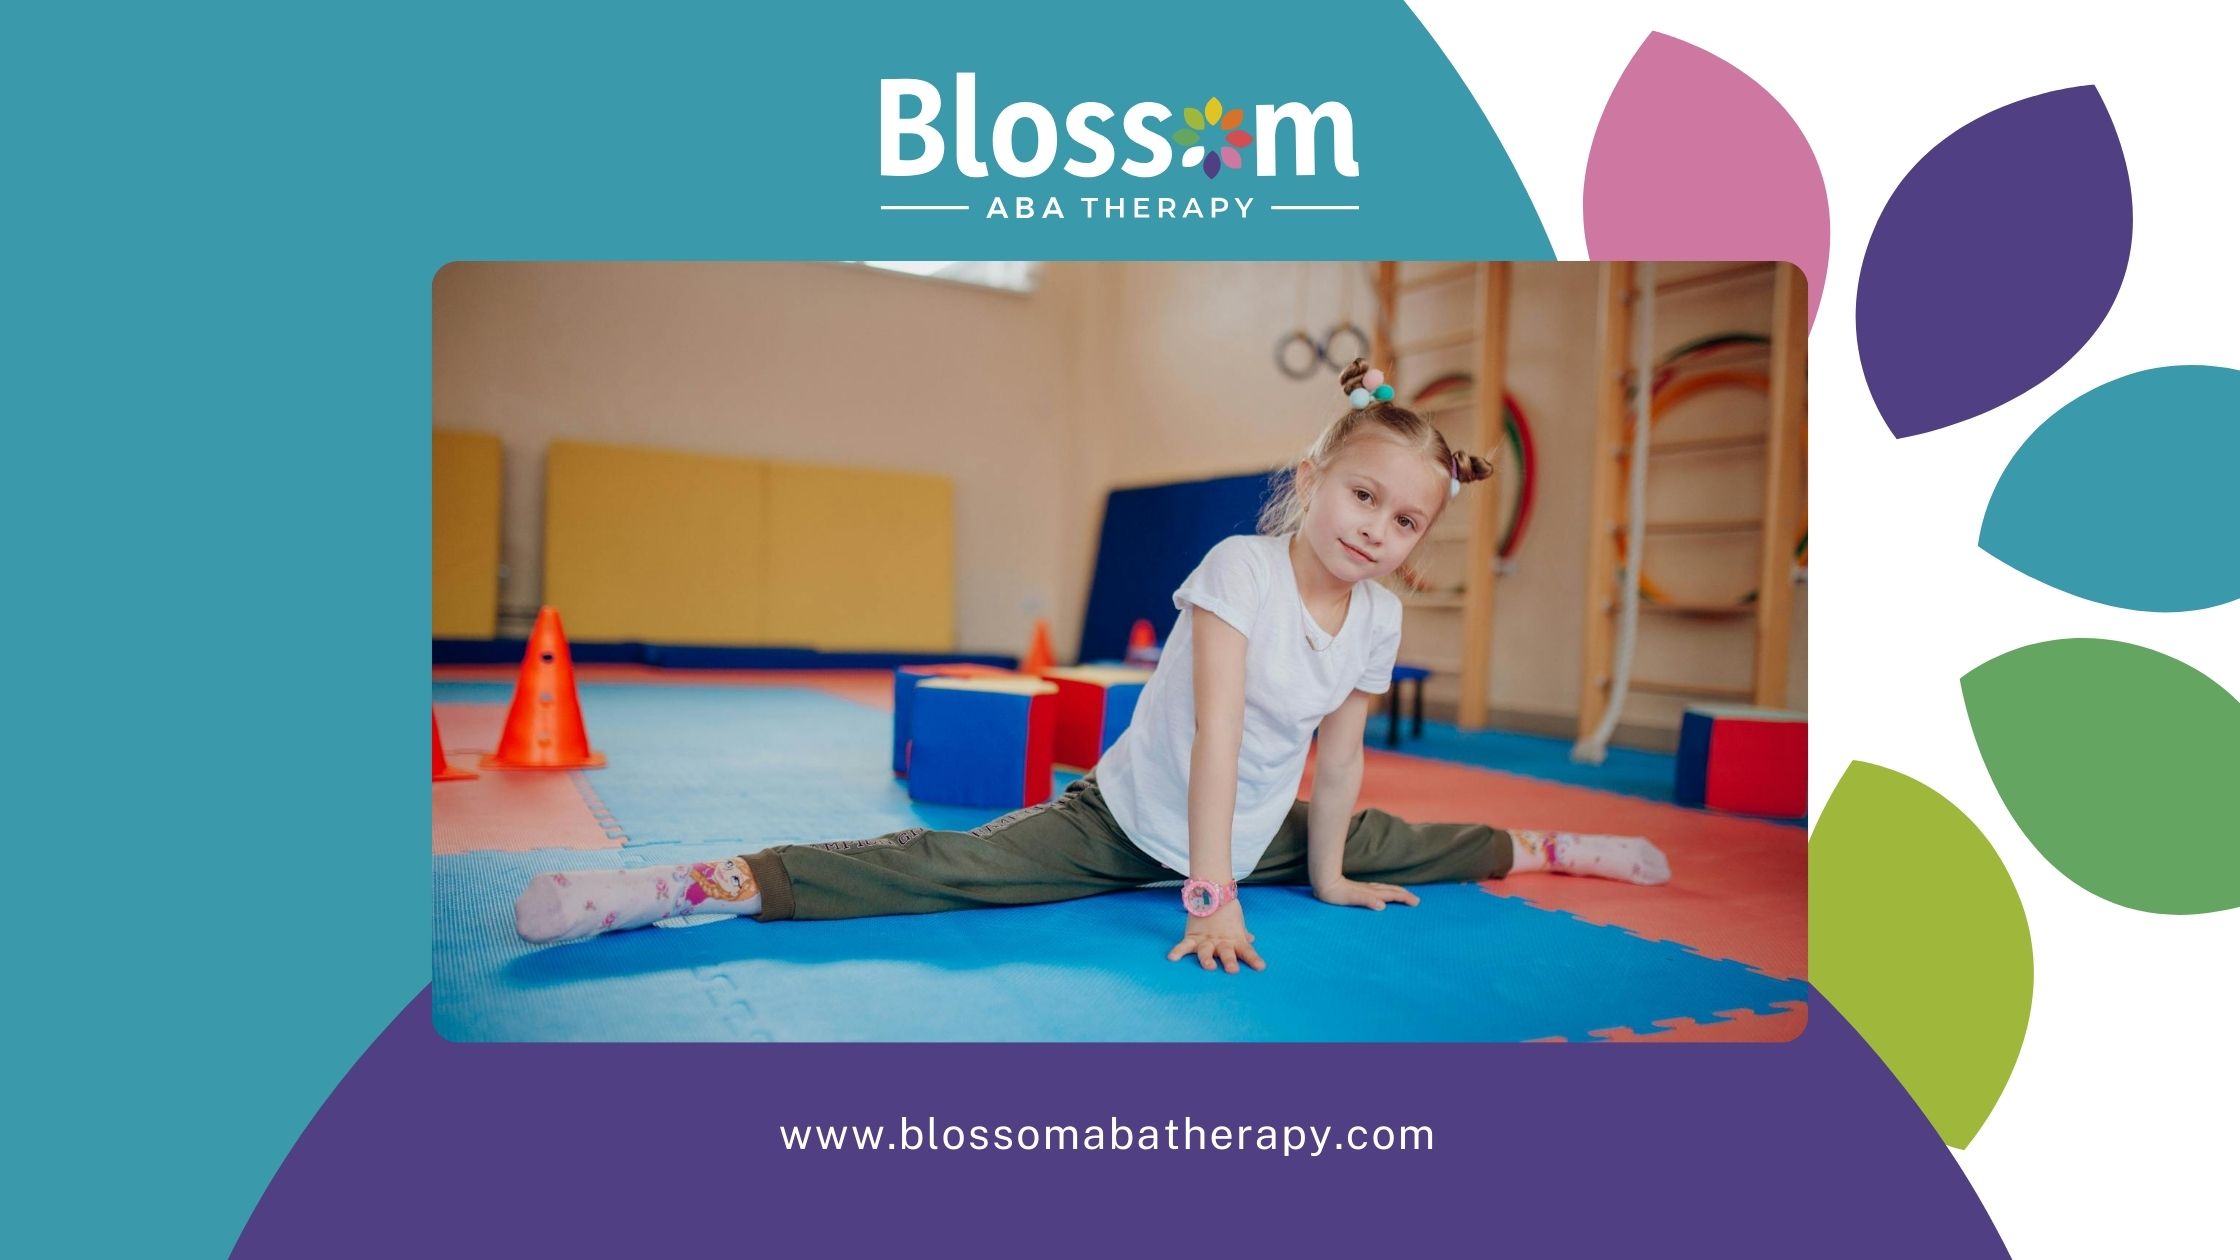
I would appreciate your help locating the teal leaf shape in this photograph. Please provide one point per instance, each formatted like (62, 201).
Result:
(2123, 498)
(2119, 764)
(1918, 937)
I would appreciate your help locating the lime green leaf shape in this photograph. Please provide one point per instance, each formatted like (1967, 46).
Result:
(1918, 937)
(2119, 763)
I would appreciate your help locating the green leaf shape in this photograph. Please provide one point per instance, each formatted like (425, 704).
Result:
(1183, 135)
(2119, 764)
(1918, 937)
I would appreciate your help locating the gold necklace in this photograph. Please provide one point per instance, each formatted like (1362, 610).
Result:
(1312, 646)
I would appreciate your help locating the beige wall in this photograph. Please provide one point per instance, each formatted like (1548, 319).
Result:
(811, 362)
(1109, 374)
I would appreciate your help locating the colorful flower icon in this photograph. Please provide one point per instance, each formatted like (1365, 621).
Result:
(1199, 152)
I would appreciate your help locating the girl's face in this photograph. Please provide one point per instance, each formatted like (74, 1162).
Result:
(1366, 512)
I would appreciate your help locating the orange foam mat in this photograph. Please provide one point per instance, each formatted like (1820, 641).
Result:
(1734, 1026)
(873, 687)
(513, 810)
(1738, 885)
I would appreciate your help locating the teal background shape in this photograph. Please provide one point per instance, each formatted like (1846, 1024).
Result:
(2124, 496)
(227, 223)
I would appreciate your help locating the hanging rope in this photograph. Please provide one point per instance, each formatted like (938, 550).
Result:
(1345, 327)
(1298, 353)
(1596, 745)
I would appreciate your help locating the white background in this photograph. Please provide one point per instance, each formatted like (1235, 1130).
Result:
(2114, 1134)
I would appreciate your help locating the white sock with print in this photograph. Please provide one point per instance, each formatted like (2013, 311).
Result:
(1628, 859)
(572, 905)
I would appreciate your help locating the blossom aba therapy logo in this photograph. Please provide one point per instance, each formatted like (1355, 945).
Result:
(922, 132)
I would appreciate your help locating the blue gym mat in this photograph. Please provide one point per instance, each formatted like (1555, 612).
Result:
(1463, 966)
(696, 773)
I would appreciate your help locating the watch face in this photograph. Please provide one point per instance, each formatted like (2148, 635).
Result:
(1199, 897)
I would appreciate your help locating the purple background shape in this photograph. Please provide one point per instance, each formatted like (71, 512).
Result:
(1994, 261)
(1802, 1148)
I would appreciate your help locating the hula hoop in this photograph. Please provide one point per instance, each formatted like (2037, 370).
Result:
(1671, 388)
(1298, 337)
(1519, 432)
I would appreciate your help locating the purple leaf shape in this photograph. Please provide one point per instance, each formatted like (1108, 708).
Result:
(1694, 160)
(1994, 261)
(1213, 165)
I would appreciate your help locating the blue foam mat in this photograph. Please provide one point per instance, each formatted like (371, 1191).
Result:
(708, 772)
(1463, 966)
(697, 773)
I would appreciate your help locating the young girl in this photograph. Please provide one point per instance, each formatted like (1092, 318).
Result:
(1289, 635)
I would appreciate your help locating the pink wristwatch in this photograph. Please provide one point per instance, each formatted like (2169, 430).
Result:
(1202, 897)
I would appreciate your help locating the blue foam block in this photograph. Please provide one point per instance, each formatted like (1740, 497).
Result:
(969, 747)
(905, 689)
(1119, 710)
(1692, 765)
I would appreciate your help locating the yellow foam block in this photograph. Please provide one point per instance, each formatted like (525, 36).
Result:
(656, 545)
(468, 487)
(860, 559)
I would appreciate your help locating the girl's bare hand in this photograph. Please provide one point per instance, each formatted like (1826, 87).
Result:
(1219, 935)
(1375, 896)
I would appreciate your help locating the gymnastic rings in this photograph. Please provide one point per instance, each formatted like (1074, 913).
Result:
(1285, 358)
(1360, 349)
(1298, 353)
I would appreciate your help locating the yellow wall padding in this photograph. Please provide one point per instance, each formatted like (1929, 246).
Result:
(669, 547)
(468, 481)
(659, 546)
(861, 560)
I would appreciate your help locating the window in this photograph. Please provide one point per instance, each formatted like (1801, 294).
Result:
(1017, 277)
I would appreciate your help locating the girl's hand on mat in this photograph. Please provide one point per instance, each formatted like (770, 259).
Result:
(1349, 892)
(1219, 935)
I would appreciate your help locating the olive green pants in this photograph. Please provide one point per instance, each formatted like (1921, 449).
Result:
(1071, 847)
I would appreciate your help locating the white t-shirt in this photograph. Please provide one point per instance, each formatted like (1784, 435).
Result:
(1295, 675)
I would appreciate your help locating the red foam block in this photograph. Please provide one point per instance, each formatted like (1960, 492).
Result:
(1756, 768)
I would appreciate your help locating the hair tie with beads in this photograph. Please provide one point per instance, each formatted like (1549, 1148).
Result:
(1371, 389)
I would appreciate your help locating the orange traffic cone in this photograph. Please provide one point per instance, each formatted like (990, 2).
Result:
(1038, 656)
(444, 771)
(1143, 644)
(544, 728)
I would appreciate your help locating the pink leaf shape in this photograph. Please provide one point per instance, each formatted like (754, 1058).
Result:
(1693, 160)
